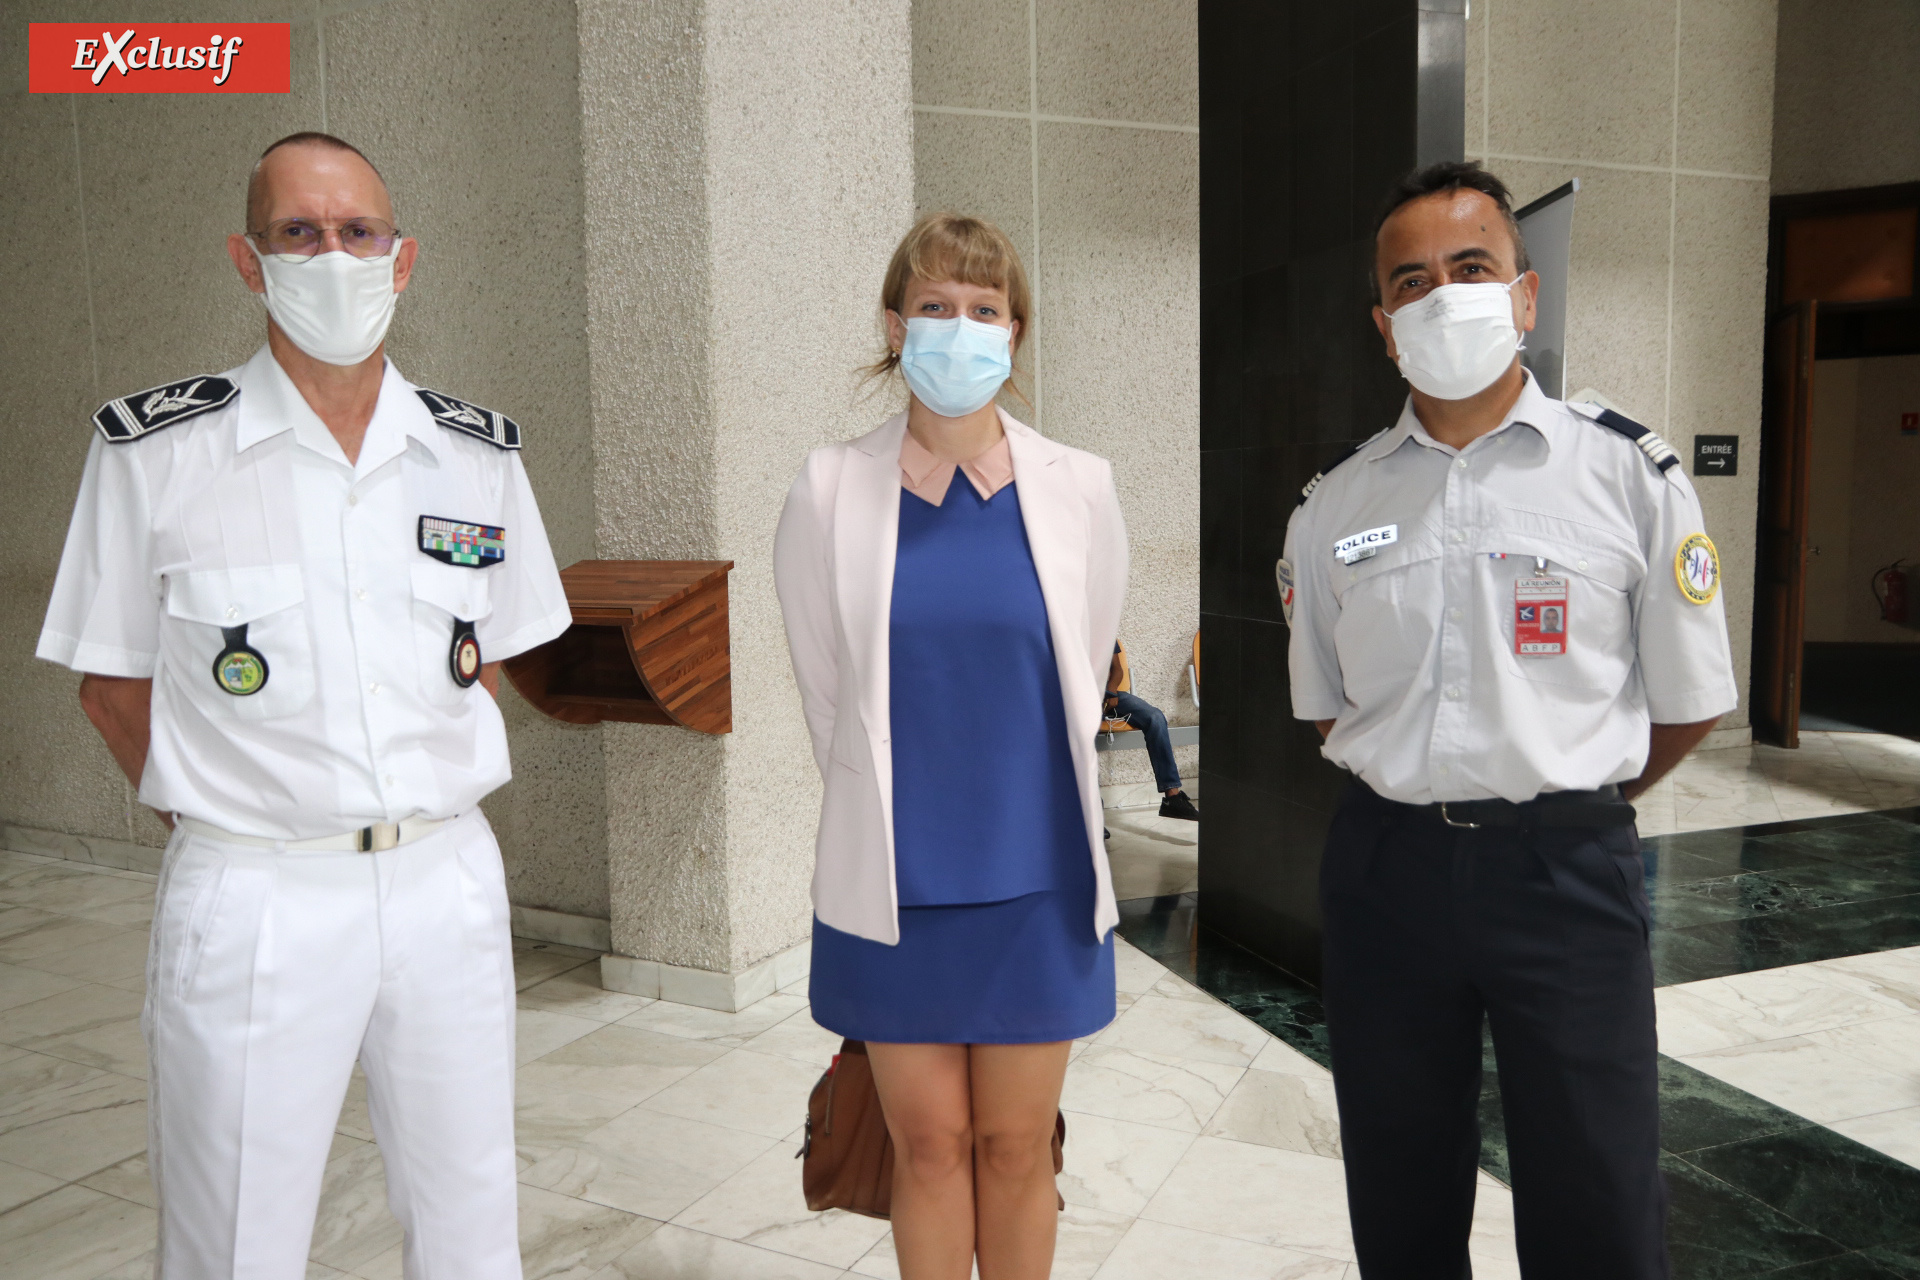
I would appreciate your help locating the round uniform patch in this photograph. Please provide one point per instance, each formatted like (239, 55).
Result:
(1696, 567)
(240, 671)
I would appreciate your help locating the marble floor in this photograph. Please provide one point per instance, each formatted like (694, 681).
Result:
(657, 1140)
(1829, 773)
(1788, 954)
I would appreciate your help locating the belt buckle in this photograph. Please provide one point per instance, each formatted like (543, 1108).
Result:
(1448, 819)
(379, 837)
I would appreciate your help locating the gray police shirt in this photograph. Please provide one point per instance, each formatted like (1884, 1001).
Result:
(1414, 571)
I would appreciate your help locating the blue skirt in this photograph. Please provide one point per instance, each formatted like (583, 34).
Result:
(1024, 971)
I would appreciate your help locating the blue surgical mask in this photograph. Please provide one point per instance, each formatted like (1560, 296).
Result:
(955, 366)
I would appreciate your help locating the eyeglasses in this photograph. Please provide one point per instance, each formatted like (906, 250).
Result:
(300, 238)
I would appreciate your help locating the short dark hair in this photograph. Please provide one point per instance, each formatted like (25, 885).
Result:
(256, 188)
(1445, 178)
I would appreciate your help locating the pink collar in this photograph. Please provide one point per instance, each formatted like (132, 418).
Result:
(926, 477)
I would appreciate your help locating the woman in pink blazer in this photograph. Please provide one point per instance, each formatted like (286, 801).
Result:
(952, 584)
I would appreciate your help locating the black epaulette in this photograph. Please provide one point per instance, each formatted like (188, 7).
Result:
(1658, 451)
(497, 429)
(142, 414)
(1322, 473)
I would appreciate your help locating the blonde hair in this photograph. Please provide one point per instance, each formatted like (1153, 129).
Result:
(952, 246)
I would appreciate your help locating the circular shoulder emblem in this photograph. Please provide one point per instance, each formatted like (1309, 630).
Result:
(1696, 567)
(240, 672)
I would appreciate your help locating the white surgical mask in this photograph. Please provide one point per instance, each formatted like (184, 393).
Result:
(333, 306)
(955, 366)
(1458, 340)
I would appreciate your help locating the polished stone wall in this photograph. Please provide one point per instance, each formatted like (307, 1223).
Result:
(1308, 113)
(1074, 125)
(471, 110)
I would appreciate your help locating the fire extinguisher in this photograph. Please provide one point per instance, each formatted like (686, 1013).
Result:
(1890, 592)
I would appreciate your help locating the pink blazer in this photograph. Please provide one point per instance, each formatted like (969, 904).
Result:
(833, 567)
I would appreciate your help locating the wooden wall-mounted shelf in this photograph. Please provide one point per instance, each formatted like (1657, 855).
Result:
(648, 645)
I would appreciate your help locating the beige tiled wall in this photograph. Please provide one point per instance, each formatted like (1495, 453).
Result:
(1846, 103)
(471, 109)
(1074, 125)
(1663, 110)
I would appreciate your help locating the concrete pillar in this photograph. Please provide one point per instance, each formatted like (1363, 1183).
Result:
(748, 168)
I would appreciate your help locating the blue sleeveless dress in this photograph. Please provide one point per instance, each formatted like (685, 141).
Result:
(991, 856)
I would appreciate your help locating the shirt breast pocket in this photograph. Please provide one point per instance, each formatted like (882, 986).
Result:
(1600, 646)
(1389, 606)
(444, 595)
(218, 616)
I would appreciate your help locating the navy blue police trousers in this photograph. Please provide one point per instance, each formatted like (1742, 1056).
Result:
(1542, 933)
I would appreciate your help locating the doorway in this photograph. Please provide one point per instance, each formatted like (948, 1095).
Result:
(1836, 638)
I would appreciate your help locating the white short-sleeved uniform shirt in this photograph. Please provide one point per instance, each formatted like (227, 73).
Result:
(1410, 650)
(248, 515)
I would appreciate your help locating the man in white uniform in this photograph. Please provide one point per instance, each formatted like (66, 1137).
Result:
(283, 584)
(1506, 622)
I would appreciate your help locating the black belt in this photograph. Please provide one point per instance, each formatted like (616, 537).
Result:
(1601, 808)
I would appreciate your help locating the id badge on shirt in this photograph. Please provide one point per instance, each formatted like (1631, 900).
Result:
(1539, 616)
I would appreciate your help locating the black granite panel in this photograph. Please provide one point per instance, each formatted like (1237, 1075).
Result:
(1222, 590)
(1308, 111)
(1692, 952)
(1226, 717)
(1386, 117)
(1716, 1232)
(1900, 1261)
(1848, 1266)
(1846, 1191)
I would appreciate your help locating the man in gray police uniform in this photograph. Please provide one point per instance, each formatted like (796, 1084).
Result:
(283, 583)
(1506, 623)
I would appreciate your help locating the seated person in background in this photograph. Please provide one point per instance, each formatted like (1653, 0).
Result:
(1125, 711)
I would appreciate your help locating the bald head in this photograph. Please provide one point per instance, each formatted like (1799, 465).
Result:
(315, 175)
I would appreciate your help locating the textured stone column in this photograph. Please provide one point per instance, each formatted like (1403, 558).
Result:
(748, 169)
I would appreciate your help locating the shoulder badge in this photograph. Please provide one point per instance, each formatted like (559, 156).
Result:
(142, 414)
(1657, 450)
(497, 429)
(1322, 473)
(1696, 567)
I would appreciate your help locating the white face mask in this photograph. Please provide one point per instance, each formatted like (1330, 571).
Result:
(333, 306)
(1458, 340)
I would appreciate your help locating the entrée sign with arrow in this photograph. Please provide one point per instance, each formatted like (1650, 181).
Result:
(1716, 455)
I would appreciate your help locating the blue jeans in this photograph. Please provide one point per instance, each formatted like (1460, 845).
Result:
(1150, 720)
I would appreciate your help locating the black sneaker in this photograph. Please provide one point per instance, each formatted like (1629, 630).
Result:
(1178, 806)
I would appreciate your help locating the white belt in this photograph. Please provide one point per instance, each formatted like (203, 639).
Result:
(377, 838)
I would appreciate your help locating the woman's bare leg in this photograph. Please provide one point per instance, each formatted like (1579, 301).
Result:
(925, 1096)
(1016, 1094)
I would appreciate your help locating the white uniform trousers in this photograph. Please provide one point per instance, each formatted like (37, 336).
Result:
(270, 973)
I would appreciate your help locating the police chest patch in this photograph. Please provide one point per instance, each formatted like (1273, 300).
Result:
(1696, 567)
(142, 414)
(497, 429)
(474, 546)
(1356, 547)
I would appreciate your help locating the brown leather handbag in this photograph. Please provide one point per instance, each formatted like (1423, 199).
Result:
(847, 1158)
